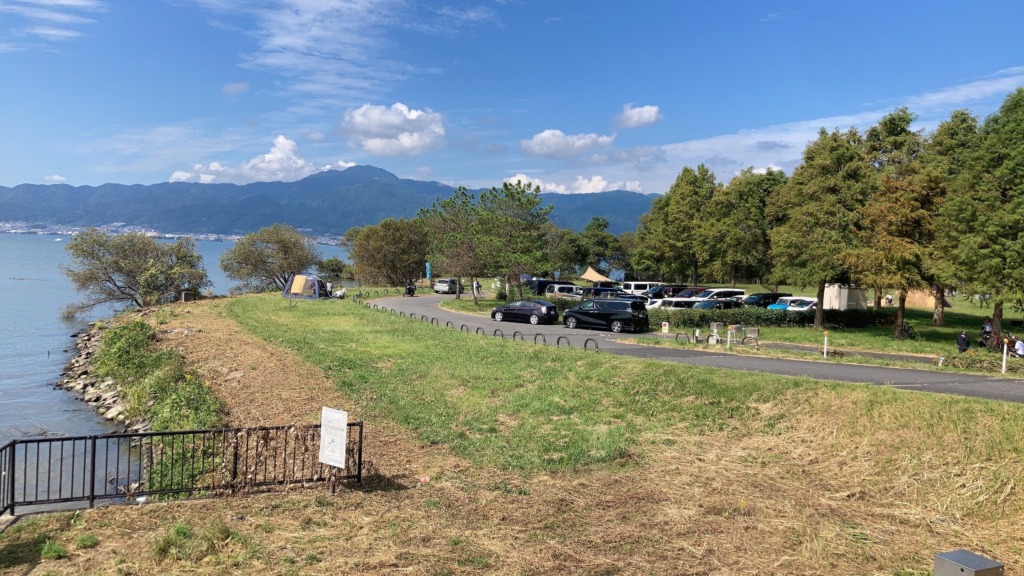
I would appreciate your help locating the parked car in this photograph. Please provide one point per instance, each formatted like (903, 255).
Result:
(448, 286)
(563, 291)
(719, 294)
(763, 299)
(532, 311)
(690, 292)
(639, 286)
(802, 304)
(607, 314)
(722, 304)
(794, 303)
(672, 303)
(664, 291)
(539, 286)
(593, 292)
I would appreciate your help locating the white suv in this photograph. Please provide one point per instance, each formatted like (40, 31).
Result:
(717, 294)
(447, 286)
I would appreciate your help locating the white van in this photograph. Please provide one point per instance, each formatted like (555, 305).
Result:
(639, 286)
(563, 291)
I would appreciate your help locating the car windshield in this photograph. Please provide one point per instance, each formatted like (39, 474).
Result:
(705, 294)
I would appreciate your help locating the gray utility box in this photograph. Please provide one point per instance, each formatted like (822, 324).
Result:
(964, 563)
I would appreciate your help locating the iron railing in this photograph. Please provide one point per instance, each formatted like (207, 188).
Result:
(48, 471)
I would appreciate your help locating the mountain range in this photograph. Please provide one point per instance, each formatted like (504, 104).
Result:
(326, 203)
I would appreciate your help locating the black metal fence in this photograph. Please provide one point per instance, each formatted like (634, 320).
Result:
(48, 471)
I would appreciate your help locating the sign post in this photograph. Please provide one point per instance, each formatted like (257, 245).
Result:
(333, 436)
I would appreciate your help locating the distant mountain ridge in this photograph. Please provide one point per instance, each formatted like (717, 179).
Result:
(326, 203)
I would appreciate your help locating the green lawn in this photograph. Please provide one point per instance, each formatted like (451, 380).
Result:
(518, 406)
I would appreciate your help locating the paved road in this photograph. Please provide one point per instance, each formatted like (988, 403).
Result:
(1009, 390)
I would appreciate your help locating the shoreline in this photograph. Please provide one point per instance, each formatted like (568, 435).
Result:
(103, 395)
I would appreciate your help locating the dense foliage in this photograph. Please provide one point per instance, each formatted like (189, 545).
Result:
(267, 258)
(154, 384)
(391, 253)
(131, 269)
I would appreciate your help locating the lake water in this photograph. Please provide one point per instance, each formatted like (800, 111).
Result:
(36, 343)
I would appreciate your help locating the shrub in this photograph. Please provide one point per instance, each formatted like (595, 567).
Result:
(51, 550)
(88, 540)
(122, 355)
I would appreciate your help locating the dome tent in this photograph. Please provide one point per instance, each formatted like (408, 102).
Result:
(306, 286)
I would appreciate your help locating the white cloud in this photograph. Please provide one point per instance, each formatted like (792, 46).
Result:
(55, 179)
(48, 20)
(544, 186)
(52, 33)
(394, 131)
(580, 186)
(282, 163)
(554, 144)
(1001, 84)
(635, 117)
(235, 88)
(599, 184)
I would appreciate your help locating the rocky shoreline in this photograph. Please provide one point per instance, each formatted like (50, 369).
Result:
(103, 395)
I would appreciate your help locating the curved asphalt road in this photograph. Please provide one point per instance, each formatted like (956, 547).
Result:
(1008, 390)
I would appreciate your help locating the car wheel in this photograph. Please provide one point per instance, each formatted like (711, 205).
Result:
(616, 326)
(498, 316)
(534, 319)
(570, 322)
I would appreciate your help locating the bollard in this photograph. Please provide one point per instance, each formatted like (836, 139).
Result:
(825, 347)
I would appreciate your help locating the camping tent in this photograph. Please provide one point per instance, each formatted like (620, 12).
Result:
(594, 276)
(306, 286)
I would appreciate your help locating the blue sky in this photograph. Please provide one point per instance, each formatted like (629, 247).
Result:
(574, 96)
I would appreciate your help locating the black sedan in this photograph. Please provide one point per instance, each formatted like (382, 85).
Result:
(532, 311)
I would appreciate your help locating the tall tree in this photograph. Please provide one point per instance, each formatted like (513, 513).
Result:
(267, 258)
(512, 230)
(391, 253)
(895, 222)
(988, 210)
(565, 251)
(817, 213)
(946, 159)
(651, 253)
(669, 237)
(736, 230)
(131, 269)
(600, 244)
(452, 226)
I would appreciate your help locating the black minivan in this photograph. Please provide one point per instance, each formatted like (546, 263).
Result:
(608, 314)
(763, 299)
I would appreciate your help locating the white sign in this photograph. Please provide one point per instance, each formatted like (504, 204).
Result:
(333, 436)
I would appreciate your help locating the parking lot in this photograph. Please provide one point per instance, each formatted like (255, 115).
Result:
(942, 382)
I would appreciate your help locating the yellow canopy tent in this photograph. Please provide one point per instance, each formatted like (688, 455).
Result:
(594, 276)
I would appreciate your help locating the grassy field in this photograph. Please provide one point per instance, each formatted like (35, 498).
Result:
(565, 461)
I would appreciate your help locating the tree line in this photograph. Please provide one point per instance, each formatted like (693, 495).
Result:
(892, 208)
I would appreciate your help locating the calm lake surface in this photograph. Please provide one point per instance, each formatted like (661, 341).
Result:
(36, 343)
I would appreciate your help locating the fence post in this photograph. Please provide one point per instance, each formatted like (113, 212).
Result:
(359, 466)
(234, 460)
(92, 471)
(10, 474)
